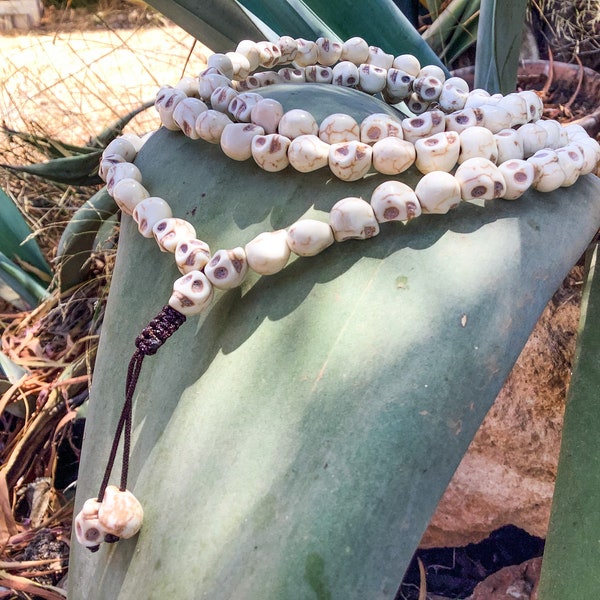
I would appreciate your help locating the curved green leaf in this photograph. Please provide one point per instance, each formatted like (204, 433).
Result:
(570, 567)
(294, 440)
(23, 290)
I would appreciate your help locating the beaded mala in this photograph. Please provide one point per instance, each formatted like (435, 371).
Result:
(500, 144)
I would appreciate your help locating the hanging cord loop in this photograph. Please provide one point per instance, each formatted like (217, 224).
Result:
(152, 337)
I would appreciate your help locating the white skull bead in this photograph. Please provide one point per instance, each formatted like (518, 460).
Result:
(222, 97)
(518, 175)
(408, 63)
(463, 119)
(119, 171)
(570, 159)
(432, 71)
(266, 78)
(394, 201)
(189, 86)
(379, 126)
(266, 114)
(423, 126)
(355, 50)
(350, 161)
(318, 74)
(240, 63)
(249, 49)
(169, 232)
(236, 140)
(88, 530)
(227, 268)
(191, 255)
(150, 211)
(270, 152)
(353, 218)
(122, 147)
(549, 175)
(477, 142)
(371, 78)
(128, 193)
(192, 293)
(534, 138)
(308, 153)
(290, 75)
(307, 53)
(106, 162)
(535, 106)
(210, 125)
(438, 192)
(247, 84)
(452, 97)
(288, 47)
(308, 237)
(186, 114)
(297, 122)
(398, 85)
(269, 54)
(379, 58)
(209, 82)
(240, 108)
(339, 127)
(480, 178)
(516, 105)
(557, 136)
(495, 117)
(438, 152)
(166, 101)
(120, 512)
(509, 145)
(345, 74)
(428, 88)
(393, 155)
(222, 63)
(416, 104)
(589, 150)
(268, 252)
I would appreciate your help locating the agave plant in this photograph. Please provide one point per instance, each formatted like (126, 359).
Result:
(293, 442)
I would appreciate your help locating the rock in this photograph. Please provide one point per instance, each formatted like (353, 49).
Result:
(511, 583)
(508, 473)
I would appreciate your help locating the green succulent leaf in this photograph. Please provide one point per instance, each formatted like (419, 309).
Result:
(294, 440)
(18, 287)
(570, 567)
(116, 129)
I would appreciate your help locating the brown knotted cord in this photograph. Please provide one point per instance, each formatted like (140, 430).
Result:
(152, 337)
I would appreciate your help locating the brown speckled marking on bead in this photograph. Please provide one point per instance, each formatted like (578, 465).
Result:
(370, 231)
(461, 119)
(431, 142)
(343, 150)
(411, 210)
(275, 145)
(520, 177)
(161, 226)
(92, 534)
(220, 273)
(197, 285)
(373, 133)
(359, 154)
(436, 119)
(391, 213)
(260, 140)
(499, 189)
(573, 155)
(417, 122)
(478, 191)
(237, 264)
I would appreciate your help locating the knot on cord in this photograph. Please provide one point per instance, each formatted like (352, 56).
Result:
(156, 333)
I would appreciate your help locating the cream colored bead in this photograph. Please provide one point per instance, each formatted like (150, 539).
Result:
(535, 106)
(269, 54)
(534, 138)
(236, 140)
(189, 86)
(428, 88)
(355, 50)
(289, 75)
(477, 98)
(416, 104)
(407, 63)
(241, 65)
(166, 100)
(222, 97)
(120, 512)
(270, 151)
(438, 192)
(88, 529)
(210, 125)
(240, 108)
(309, 237)
(121, 147)
(509, 145)
(192, 293)
(432, 71)
(379, 58)
(353, 218)
(169, 232)
(350, 161)
(191, 255)
(570, 159)
(495, 118)
(339, 127)
(423, 126)
(328, 51)
(307, 53)
(459, 83)
(227, 268)
(556, 137)
(516, 105)
(345, 74)
(208, 83)
(371, 79)
(480, 178)
(186, 114)
(248, 84)
(518, 176)
(438, 152)
(149, 212)
(127, 193)
(463, 119)
(377, 126)
(288, 47)
(398, 85)
(119, 171)
(266, 78)
(576, 132)
(268, 252)
(297, 122)
(222, 63)
(393, 155)
(394, 201)
(249, 49)
(318, 74)
(107, 162)
(266, 114)
(308, 153)
(549, 175)
(477, 142)
(589, 150)
(452, 97)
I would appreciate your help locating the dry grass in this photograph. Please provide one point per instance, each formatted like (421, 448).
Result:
(68, 80)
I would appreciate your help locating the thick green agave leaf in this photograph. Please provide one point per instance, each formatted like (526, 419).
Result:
(294, 441)
(570, 567)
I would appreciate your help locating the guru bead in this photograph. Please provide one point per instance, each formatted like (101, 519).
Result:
(120, 512)
(192, 293)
